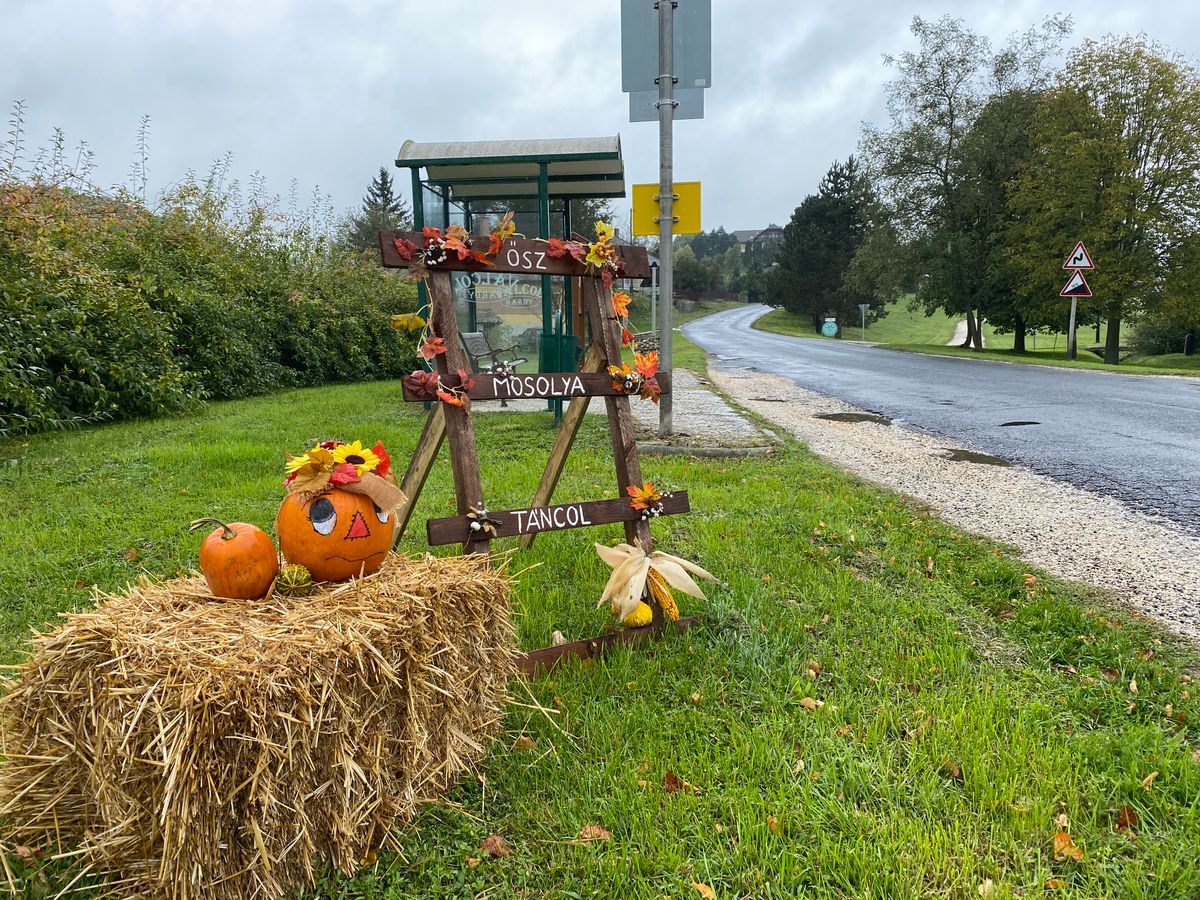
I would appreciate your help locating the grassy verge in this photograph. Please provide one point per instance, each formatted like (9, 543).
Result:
(904, 329)
(878, 705)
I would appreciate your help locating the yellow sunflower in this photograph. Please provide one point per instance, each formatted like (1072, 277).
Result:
(604, 231)
(318, 457)
(362, 458)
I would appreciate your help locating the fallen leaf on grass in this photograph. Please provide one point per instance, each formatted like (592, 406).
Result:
(1064, 847)
(697, 697)
(1055, 884)
(594, 833)
(473, 861)
(130, 555)
(1062, 821)
(813, 668)
(524, 742)
(495, 846)
(1127, 819)
(1133, 685)
(26, 854)
(673, 784)
(952, 769)
(811, 704)
(557, 639)
(987, 888)
(773, 824)
(1149, 780)
(704, 890)
(1110, 673)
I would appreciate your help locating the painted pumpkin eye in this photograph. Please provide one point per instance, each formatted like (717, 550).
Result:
(322, 515)
(381, 515)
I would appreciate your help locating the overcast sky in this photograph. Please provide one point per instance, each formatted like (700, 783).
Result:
(325, 91)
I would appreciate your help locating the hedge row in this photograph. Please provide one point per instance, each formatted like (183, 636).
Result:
(108, 310)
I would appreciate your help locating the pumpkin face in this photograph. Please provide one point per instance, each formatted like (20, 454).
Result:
(336, 536)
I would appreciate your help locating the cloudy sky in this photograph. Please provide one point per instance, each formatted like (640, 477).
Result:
(325, 91)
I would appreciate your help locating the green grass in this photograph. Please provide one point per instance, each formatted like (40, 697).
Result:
(905, 329)
(962, 713)
(899, 326)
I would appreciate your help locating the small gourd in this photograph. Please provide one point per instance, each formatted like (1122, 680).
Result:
(238, 560)
(294, 581)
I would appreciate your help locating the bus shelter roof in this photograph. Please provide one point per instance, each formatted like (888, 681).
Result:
(575, 167)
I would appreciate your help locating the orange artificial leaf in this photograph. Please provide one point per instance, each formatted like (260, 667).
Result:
(704, 890)
(458, 233)
(495, 242)
(465, 381)
(620, 304)
(457, 246)
(646, 364)
(432, 347)
(627, 337)
(431, 234)
(408, 321)
(495, 846)
(452, 399)
(643, 497)
(1064, 847)
(481, 258)
(651, 390)
(594, 833)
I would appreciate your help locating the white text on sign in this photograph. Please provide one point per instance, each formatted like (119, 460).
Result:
(541, 518)
(514, 387)
(529, 259)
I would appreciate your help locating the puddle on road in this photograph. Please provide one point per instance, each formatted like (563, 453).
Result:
(1011, 424)
(854, 417)
(971, 456)
(769, 399)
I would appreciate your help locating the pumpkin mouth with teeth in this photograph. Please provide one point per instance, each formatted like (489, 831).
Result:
(337, 517)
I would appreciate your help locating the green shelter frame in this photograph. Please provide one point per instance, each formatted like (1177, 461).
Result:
(533, 178)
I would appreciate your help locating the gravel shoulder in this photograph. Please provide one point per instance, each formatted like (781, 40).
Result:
(1146, 562)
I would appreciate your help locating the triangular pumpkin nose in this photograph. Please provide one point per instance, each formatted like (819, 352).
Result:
(358, 528)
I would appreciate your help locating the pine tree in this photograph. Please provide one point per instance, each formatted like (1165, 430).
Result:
(382, 210)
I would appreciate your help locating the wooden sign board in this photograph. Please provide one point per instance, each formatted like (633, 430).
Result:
(516, 256)
(536, 519)
(539, 386)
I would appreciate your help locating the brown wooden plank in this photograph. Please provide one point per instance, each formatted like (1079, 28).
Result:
(521, 256)
(605, 330)
(538, 385)
(593, 361)
(536, 519)
(545, 659)
(464, 459)
(424, 454)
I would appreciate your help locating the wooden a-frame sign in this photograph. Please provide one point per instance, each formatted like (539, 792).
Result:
(455, 423)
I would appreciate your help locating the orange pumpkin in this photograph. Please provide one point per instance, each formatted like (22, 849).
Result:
(239, 561)
(336, 536)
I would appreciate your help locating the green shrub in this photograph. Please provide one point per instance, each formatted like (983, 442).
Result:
(1155, 335)
(111, 310)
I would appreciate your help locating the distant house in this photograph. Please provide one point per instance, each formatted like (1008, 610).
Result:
(751, 237)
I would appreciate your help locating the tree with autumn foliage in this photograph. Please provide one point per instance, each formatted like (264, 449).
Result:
(1117, 165)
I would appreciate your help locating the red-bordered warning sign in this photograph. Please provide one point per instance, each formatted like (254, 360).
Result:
(1076, 286)
(1079, 259)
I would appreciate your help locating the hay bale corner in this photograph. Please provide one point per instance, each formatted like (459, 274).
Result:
(198, 748)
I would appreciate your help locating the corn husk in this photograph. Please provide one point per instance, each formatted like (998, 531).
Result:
(192, 747)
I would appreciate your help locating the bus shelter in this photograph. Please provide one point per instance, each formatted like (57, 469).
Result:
(471, 184)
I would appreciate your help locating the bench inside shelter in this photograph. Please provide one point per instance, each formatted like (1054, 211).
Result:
(484, 360)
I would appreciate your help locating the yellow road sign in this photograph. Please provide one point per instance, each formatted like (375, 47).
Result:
(686, 209)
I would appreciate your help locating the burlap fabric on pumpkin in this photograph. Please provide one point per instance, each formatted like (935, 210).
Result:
(199, 748)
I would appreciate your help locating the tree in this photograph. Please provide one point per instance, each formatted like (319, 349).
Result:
(691, 274)
(819, 242)
(1117, 165)
(381, 210)
(917, 162)
(712, 243)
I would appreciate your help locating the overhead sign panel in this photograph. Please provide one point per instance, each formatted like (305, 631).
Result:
(691, 47)
(1077, 286)
(686, 208)
(1079, 258)
(643, 104)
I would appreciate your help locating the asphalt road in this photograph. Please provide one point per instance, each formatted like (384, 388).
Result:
(1134, 437)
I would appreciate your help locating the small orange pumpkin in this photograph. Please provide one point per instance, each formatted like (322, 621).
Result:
(239, 561)
(336, 535)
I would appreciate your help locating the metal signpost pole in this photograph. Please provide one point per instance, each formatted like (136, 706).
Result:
(1071, 329)
(666, 114)
(654, 299)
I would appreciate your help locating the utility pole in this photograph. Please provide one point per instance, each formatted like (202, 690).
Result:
(666, 197)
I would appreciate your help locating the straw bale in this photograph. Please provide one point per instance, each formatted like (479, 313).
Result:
(200, 748)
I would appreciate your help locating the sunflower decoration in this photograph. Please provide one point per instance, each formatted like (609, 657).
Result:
(347, 465)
